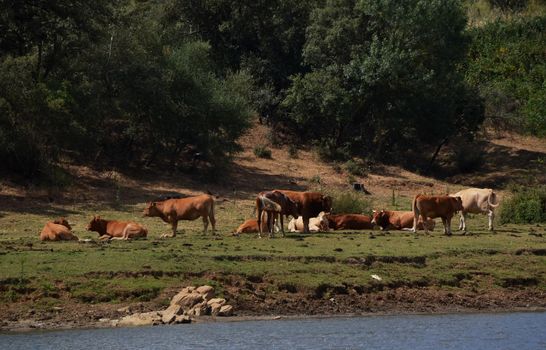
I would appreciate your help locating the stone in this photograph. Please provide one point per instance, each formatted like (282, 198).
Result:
(206, 291)
(220, 301)
(171, 312)
(182, 319)
(187, 301)
(226, 310)
(215, 309)
(140, 319)
(124, 310)
(200, 309)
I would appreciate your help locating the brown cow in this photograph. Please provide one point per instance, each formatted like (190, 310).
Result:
(111, 229)
(398, 220)
(190, 208)
(350, 222)
(275, 203)
(251, 226)
(435, 206)
(58, 230)
(310, 204)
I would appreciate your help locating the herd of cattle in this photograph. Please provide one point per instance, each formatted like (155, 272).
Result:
(310, 212)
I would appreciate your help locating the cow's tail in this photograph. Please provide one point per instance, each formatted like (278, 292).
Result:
(493, 196)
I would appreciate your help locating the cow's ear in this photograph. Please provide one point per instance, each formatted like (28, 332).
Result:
(374, 211)
(382, 211)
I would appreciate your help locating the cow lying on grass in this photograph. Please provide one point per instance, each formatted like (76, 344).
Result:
(398, 220)
(251, 226)
(349, 222)
(320, 223)
(58, 230)
(111, 229)
(190, 208)
(443, 207)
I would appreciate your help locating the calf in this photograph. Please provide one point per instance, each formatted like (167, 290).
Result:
(190, 208)
(310, 204)
(350, 222)
(435, 206)
(111, 229)
(398, 220)
(251, 226)
(320, 223)
(57, 230)
(477, 201)
(275, 203)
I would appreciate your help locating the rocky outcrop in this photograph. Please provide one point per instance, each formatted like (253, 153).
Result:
(189, 302)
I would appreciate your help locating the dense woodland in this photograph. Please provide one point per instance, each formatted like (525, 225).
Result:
(153, 83)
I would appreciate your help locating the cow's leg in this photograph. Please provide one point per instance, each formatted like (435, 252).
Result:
(213, 223)
(305, 224)
(174, 225)
(282, 224)
(462, 223)
(444, 222)
(205, 224)
(491, 215)
(448, 221)
(424, 219)
(105, 237)
(260, 223)
(416, 221)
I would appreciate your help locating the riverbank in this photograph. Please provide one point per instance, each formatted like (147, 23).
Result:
(400, 301)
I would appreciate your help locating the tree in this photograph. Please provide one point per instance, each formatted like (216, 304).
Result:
(384, 76)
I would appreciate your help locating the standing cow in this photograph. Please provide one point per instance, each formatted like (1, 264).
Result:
(310, 204)
(275, 203)
(443, 207)
(477, 201)
(190, 208)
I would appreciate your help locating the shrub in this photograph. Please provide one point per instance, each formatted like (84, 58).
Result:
(355, 168)
(350, 203)
(262, 152)
(293, 151)
(526, 205)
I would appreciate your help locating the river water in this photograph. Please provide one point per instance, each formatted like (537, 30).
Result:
(519, 331)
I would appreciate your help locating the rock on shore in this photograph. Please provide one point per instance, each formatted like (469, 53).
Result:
(189, 302)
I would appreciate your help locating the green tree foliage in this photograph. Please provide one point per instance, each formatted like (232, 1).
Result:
(526, 205)
(507, 62)
(262, 37)
(97, 81)
(383, 74)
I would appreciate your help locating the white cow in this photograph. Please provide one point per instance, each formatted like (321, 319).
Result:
(477, 201)
(320, 223)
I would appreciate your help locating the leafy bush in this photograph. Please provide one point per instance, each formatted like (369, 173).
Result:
(506, 63)
(262, 152)
(526, 205)
(351, 203)
(293, 151)
(355, 168)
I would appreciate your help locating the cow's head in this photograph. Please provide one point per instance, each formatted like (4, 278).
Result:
(324, 224)
(380, 218)
(326, 203)
(96, 224)
(151, 209)
(457, 203)
(64, 222)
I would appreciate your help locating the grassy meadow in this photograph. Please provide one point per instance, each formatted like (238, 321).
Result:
(140, 270)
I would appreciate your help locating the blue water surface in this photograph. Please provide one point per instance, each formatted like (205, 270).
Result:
(518, 331)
